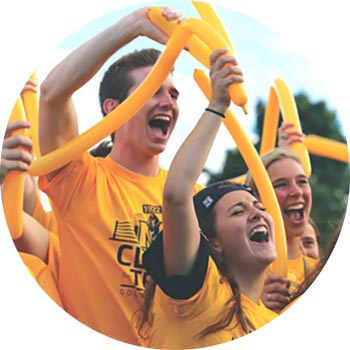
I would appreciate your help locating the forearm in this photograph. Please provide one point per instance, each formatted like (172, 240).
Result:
(34, 239)
(190, 159)
(84, 62)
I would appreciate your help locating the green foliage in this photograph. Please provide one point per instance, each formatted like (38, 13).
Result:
(329, 179)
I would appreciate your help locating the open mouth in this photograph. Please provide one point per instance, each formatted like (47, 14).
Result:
(295, 213)
(259, 235)
(160, 123)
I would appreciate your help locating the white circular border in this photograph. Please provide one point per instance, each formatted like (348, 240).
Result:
(318, 30)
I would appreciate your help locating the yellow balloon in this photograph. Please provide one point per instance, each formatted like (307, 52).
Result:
(258, 171)
(30, 100)
(325, 147)
(269, 130)
(209, 15)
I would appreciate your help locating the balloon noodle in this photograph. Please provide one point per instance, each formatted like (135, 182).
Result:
(30, 100)
(259, 174)
(209, 15)
(325, 147)
(281, 96)
(14, 182)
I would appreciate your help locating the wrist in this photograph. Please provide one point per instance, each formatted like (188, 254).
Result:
(216, 112)
(219, 107)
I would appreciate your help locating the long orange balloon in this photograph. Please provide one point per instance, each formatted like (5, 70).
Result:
(209, 15)
(14, 183)
(30, 100)
(325, 147)
(258, 171)
(269, 130)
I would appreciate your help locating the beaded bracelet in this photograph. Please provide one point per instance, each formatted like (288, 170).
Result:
(215, 112)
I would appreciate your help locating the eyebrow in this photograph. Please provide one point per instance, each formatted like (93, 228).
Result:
(243, 204)
(300, 176)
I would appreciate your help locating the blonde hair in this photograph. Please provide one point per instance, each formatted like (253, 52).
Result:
(274, 155)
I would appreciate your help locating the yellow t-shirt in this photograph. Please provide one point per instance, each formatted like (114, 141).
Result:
(107, 217)
(177, 323)
(46, 219)
(298, 269)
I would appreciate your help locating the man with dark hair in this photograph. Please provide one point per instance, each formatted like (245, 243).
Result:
(104, 206)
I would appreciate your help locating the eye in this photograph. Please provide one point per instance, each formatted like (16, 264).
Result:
(303, 182)
(279, 185)
(308, 243)
(237, 212)
(174, 95)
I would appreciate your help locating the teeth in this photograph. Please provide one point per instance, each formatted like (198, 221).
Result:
(162, 117)
(296, 207)
(259, 234)
(259, 229)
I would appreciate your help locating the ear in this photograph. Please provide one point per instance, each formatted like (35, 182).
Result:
(217, 247)
(109, 104)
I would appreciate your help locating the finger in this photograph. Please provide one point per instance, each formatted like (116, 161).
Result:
(286, 125)
(17, 141)
(277, 288)
(16, 125)
(170, 14)
(223, 60)
(216, 54)
(16, 155)
(9, 165)
(275, 278)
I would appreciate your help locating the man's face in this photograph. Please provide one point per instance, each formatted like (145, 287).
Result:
(148, 131)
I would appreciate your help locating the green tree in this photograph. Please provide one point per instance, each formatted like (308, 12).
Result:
(329, 179)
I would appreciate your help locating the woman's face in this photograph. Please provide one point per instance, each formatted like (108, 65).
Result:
(293, 193)
(309, 243)
(244, 231)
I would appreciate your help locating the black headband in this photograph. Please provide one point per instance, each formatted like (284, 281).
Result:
(205, 199)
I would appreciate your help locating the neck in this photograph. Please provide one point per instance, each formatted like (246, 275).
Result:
(293, 247)
(136, 162)
(251, 283)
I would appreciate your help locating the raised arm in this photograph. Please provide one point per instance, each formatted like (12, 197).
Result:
(181, 231)
(57, 114)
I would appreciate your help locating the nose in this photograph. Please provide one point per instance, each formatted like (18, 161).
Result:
(295, 189)
(166, 100)
(256, 214)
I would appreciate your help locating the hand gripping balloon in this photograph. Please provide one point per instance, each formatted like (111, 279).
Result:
(14, 183)
(259, 174)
